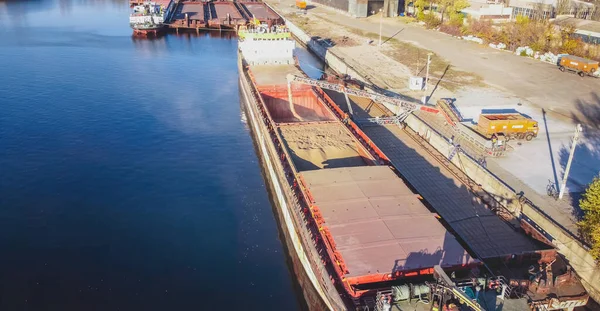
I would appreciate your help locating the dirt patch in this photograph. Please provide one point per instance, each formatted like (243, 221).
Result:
(345, 41)
(334, 35)
(411, 58)
(321, 146)
(380, 68)
(416, 57)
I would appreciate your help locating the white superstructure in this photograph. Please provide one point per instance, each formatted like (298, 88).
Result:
(263, 45)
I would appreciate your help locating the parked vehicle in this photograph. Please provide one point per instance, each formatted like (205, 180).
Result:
(579, 65)
(301, 4)
(509, 125)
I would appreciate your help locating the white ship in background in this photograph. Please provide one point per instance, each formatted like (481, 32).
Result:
(147, 18)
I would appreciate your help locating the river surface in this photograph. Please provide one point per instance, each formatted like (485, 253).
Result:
(128, 179)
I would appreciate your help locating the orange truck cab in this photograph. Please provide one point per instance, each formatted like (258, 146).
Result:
(301, 4)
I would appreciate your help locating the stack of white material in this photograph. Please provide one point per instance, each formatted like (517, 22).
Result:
(473, 38)
(549, 57)
(499, 46)
(528, 51)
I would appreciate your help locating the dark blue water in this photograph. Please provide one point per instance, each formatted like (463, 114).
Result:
(128, 179)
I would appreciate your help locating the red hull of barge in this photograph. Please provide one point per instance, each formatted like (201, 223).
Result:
(147, 33)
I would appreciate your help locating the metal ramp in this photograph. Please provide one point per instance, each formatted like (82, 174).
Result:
(170, 11)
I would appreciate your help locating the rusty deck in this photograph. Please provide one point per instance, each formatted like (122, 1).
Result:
(225, 13)
(260, 11)
(220, 14)
(139, 2)
(379, 225)
(190, 15)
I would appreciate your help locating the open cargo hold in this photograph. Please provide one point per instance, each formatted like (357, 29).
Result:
(508, 124)
(306, 105)
(321, 146)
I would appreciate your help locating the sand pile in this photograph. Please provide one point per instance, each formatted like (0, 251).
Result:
(321, 146)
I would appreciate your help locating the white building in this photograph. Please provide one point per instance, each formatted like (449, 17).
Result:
(545, 9)
(485, 9)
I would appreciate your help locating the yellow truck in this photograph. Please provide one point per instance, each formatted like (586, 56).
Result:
(509, 125)
(579, 65)
(301, 4)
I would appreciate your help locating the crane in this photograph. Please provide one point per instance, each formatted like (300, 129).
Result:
(445, 288)
(403, 108)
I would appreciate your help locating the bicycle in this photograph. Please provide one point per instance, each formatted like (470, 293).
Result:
(551, 190)
(482, 161)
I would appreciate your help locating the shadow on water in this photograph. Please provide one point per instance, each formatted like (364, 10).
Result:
(169, 40)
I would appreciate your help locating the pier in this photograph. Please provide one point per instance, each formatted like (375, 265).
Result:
(222, 14)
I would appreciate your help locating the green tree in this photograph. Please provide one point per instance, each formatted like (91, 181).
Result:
(452, 8)
(590, 224)
(420, 6)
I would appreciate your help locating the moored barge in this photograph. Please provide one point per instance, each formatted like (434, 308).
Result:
(349, 221)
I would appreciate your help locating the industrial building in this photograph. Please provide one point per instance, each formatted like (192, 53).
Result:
(364, 8)
(587, 30)
(507, 10)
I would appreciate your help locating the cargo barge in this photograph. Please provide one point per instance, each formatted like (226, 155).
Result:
(198, 15)
(349, 221)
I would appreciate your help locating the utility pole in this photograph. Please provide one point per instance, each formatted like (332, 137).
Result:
(380, 24)
(563, 184)
(427, 75)
(427, 72)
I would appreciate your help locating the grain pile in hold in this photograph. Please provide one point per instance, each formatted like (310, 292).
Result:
(321, 146)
